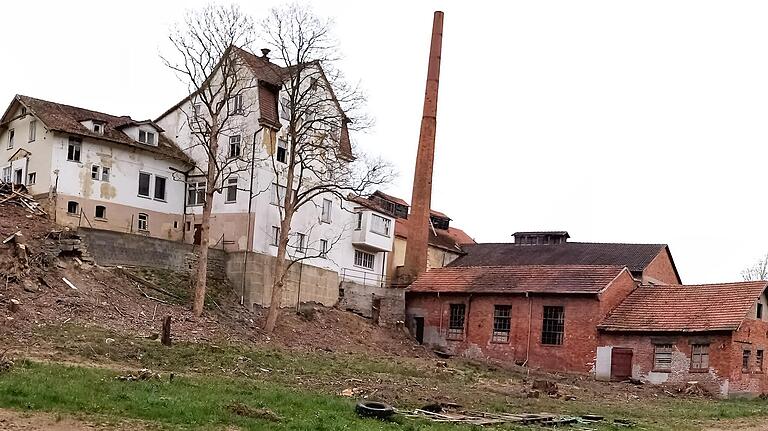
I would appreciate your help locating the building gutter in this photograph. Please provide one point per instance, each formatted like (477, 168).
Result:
(530, 319)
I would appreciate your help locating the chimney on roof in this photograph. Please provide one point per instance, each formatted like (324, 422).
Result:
(265, 53)
(421, 198)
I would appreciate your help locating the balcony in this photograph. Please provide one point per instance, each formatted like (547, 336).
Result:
(373, 232)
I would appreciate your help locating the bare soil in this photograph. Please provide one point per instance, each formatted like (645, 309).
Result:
(13, 420)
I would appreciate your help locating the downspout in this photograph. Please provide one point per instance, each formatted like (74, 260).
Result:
(249, 247)
(383, 267)
(530, 319)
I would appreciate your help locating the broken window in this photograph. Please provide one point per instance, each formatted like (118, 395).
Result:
(73, 207)
(31, 178)
(95, 171)
(231, 190)
(501, 323)
(98, 128)
(326, 214)
(234, 146)
(553, 325)
(745, 360)
(143, 222)
(160, 188)
(700, 356)
(363, 259)
(101, 211)
(73, 149)
(456, 321)
(275, 236)
(196, 193)
(662, 357)
(105, 174)
(282, 151)
(144, 180)
(32, 130)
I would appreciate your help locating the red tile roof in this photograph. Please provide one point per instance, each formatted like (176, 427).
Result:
(685, 308)
(450, 239)
(67, 119)
(567, 279)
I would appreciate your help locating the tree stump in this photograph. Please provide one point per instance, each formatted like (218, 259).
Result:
(166, 339)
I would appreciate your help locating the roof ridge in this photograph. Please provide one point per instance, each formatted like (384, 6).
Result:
(77, 107)
(727, 283)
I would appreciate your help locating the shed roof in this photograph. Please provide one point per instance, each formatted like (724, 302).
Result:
(562, 279)
(685, 308)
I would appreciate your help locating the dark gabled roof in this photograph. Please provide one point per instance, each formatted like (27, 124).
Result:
(543, 232)
(390, 198)
(685, 308)
(66, 119)
(634, 256)
(562, 279)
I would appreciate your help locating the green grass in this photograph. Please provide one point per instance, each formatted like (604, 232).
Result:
(195, 402)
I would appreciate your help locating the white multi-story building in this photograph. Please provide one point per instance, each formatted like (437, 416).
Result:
(94, 169)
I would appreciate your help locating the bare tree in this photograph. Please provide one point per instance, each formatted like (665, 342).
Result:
(320, 108)
(758, 271)
(206, 57)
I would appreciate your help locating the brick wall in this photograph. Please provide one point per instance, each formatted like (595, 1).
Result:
(118, 248)
(660, 270)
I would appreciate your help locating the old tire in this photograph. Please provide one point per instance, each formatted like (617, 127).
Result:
(374, 409)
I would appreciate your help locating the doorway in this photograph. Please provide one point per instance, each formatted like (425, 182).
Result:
(198, 234)
(621, 363)
(418, 323)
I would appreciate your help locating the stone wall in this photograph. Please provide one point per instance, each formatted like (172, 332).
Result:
(118, 248)
(305, 283)
(360, 298)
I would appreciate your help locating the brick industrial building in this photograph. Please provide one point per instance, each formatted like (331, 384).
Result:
(613, 310)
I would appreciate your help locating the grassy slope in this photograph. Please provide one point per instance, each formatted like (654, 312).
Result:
(300, 386)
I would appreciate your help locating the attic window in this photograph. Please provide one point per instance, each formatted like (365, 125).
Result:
(23, 110)
(146, 137)
(98, 128)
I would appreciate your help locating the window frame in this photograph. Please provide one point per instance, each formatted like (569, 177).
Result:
(74, 148)
(553, 325)
(457, 321)
(11, 138)
(147, 136)
(95, 172)
(237, 104)
(759, 359)
(277, 199)
(661, 364)
(105, 171)
(196, 189)
(145, 220)
(359, 220)
(285, 112)
(363, 259)
(759, 311)
(165, 188)
(325, 212)
(386, 223)
(745, 357)
(32, 131)
(699, 357)
(76, 207)
(502, 323)
(232, 184)
(149, 186)
(275, 236)
(235, 141)
(323, 248)
(281, 156)
(96, 212)
(7, 174)
(301, 243)
(31, 178)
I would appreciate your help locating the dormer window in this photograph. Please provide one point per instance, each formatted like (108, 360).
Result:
(98, 128)
(146, 137)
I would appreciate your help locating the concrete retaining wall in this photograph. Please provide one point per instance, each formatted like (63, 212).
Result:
(305, 283)
(360, 299)
(118, 248)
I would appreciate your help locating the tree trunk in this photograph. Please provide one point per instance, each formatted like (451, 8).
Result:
(201, 272)
(279, 272)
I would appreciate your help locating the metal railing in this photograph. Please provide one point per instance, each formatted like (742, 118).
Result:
(363, 277)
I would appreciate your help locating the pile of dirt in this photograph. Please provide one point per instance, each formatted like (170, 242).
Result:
(63, 289)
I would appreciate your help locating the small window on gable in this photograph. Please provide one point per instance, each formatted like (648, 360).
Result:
(101, 211)
(98, 128)
(237, 104)
(32, 130)
(73, 207)
(662, 357)
(146, 137)
(23, 110)
(759, 310)
(11, 136)
(143, 222)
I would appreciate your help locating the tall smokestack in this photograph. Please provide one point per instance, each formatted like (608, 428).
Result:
(418, 228)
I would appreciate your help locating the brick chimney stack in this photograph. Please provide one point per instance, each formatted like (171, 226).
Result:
(421, 197)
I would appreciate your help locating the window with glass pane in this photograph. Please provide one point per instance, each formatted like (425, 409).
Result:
(282, 151)
(363, 259)
(700, 356)
(501, 323)
(196, 193)
(553, 325)
(160, 188)
(231, 190)
(380, 225)
(278, 194)
(144, 180)
(456, 321)
(662, 357)
(234, 146)
(745, 355)
(326, 215)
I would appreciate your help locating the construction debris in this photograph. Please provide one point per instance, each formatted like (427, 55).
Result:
(141, 375)
(486, 418)
(17, 194)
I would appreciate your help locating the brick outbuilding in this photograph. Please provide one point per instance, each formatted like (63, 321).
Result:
(715, 334)
(543, 316)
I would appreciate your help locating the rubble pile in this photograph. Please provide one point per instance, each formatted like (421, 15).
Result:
(17, 194)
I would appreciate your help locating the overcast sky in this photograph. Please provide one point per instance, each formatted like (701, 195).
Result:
(617, 121)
